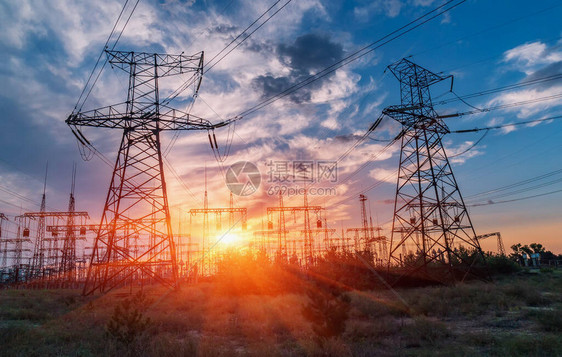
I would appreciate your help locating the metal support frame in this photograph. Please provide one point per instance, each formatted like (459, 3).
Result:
(137, 191)
(431, 221)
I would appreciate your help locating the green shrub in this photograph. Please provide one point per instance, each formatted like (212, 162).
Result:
(327, 311)
(500, 264)
(128, 322)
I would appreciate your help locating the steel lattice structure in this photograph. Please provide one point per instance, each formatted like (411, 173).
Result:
(431, 221)
(137, 195)
(308, 241)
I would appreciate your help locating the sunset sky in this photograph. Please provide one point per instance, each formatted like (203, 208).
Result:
(50, 47)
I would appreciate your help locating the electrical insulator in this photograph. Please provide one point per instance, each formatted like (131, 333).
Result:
(26, 232)
(82, 231)
(319, 223)
(413, 220)
(269, 225)
(435, 222)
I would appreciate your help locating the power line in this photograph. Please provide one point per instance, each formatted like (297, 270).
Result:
(355, 55)
(210, 63)
(503, 106)
(519, 183)
(506, 125)
(242, 33)
(494, 27)
(101, 54)
(472, 146)
(501, 89)
(515, 199)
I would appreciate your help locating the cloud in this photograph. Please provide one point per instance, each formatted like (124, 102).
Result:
(73, 35)
(551, 69)
(532, 107)
(307, 55)
(384, 175)
(461, 153)
(536, 60)
(390, 8)
(528, 56)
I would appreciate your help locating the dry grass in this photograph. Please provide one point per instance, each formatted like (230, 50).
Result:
(518, 315)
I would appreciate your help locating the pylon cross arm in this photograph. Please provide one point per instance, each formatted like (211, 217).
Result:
(168, 64)
(116, 117)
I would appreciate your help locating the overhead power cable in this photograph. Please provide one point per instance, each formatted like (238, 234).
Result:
(412, 25)
(211, 64)
(515, 199)
(506, 125)
(472, 146)
(503, 106)
(78, 106)
(494, 27)
(501, 89)
(517, 184)
(524, 190)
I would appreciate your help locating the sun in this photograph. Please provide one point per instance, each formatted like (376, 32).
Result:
(231, 239)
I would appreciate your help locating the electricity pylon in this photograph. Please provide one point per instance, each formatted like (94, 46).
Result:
(68, 259)
(136, 206)
(38, 259)
(430, 218)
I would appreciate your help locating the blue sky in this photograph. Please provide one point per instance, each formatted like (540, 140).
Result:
(49, 48)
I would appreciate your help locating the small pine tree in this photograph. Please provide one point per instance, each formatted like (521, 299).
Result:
(127, 322)
(327, 311)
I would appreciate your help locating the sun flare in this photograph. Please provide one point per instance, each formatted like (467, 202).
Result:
(231, 239)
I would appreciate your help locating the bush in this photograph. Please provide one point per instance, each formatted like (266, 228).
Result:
(328, 311)
(128, 323)
(500, 264)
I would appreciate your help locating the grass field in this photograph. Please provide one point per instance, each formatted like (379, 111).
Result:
(518, 315)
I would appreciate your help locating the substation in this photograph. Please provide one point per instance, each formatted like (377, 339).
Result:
(134, 243)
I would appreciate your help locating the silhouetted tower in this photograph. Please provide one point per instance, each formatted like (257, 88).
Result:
(206, 259)
(68, 259)
(137, 196)
(364, 222)
(282, 242)
(3, 243)
(430, 217)
(207, 250)
(231, 213)
(38, 259)
(22, 236)
(308, 238)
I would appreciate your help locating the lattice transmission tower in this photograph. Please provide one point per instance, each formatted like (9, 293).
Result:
(136, 207)
(431, 222)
